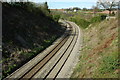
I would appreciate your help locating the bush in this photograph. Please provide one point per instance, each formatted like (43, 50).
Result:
(85, 23)
(103, 17)
(98, 18)
(56, 17)
(39, 9)
(81, 22)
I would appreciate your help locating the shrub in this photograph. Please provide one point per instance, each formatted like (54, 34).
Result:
(98, 18)
(56, 17)
(81, 22)
(103, 17)
(85, 23)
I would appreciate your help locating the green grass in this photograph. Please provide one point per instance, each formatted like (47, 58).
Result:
(96, 61)
(108, 66)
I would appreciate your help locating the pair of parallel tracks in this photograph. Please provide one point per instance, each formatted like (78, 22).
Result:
(62, 52)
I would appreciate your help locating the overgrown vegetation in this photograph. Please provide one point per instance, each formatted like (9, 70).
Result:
(83, 23)
(56, 17)
(98, 18)
(108, 64)
(80, 18)
(99, 53)
(28, 29)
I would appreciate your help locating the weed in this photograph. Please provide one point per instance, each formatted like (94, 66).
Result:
(98, 18)
(109, 63)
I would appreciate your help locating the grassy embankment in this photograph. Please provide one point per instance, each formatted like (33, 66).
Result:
(27, 30)
(99, 53)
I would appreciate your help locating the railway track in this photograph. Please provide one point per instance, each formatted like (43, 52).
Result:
(50, 63)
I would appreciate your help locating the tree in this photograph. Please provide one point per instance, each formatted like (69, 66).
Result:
(84, 9)
(46, 7)
(69, 9)
(76, 8)
(107, 4)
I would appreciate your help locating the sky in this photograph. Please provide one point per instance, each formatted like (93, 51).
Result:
(59, 4)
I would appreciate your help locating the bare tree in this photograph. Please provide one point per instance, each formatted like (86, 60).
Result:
(107, 4)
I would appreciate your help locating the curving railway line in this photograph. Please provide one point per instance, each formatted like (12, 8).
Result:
(50, 62)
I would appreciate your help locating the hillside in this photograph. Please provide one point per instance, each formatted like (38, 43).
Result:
(99, 53)
(27, 30)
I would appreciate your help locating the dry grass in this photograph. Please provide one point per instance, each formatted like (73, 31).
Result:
(99, 56)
